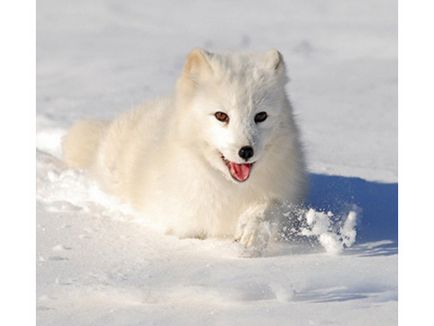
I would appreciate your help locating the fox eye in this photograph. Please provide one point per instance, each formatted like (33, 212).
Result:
(221, 116)
(261, 116)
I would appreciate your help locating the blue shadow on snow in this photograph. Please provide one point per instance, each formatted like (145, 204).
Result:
(378, 203)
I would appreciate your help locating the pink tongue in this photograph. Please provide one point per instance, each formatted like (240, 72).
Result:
(240, 171)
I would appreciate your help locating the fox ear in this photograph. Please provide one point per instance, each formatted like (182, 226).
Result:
(274, 60)
(197, 65)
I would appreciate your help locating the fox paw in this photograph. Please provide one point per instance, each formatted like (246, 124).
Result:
(253, 233)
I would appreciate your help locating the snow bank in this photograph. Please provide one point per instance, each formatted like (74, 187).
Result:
(99, 265)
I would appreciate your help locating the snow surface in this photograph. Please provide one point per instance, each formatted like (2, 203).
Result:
(97, 266)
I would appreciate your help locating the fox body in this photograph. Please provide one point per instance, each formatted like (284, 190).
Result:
(210, 161)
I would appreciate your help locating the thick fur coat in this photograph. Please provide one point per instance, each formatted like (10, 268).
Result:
(178, 160)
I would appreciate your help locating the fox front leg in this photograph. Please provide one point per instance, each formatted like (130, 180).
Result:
(255, 227)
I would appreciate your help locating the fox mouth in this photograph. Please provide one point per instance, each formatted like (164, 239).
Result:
(239, 172)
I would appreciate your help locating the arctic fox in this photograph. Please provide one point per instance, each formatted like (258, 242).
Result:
(213, 160)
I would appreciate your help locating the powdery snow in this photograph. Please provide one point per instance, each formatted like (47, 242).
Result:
(97, 265)
(331, 235)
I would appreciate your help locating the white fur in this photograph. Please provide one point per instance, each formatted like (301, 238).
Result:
(165, 157)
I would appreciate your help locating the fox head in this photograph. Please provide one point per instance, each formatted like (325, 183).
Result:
(235, 105)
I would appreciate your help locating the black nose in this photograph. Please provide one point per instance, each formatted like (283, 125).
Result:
(246, 152)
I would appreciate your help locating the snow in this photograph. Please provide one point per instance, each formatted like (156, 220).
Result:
(332, 235)
(96, 265)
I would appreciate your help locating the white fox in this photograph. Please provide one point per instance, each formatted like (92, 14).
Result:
(210, 161)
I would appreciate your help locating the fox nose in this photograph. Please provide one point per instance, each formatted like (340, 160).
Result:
(246, 152)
